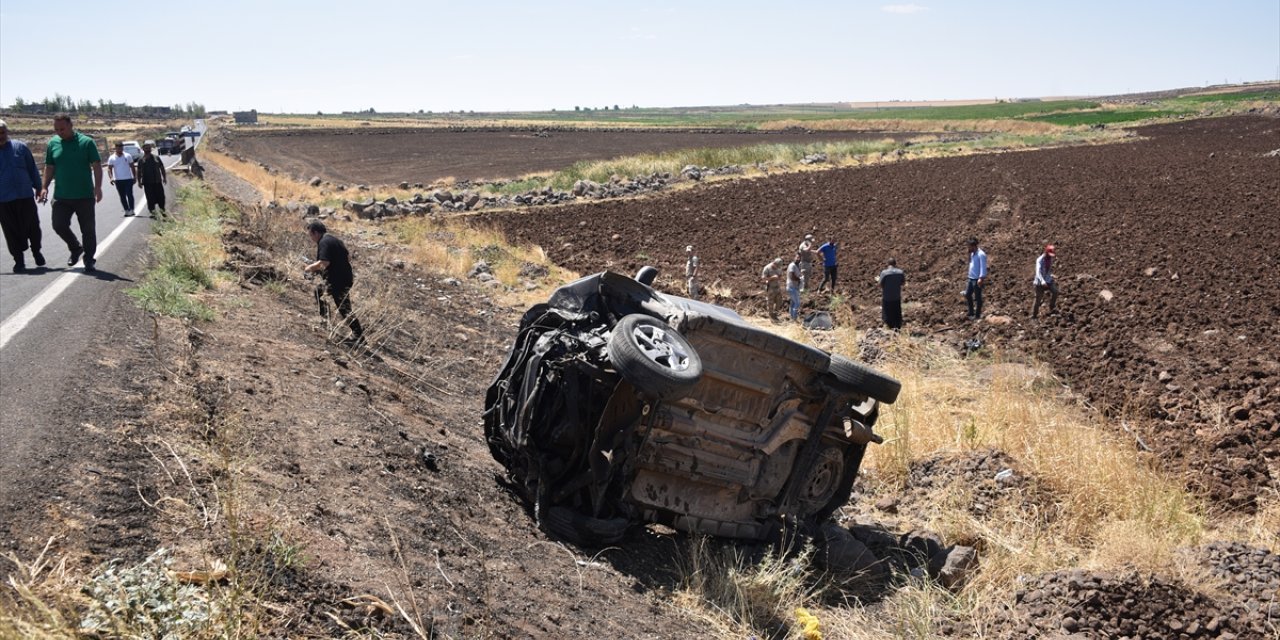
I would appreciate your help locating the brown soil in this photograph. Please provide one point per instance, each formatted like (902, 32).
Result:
(426, 155)
(1179, 228)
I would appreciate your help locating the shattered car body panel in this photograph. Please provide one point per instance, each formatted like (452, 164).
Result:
(618, 404)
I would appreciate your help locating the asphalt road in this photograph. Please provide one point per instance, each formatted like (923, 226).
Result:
(50, 317)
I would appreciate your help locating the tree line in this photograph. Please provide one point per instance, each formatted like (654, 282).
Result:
(66, 104)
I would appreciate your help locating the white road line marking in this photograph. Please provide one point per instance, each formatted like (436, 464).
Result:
(22, 317)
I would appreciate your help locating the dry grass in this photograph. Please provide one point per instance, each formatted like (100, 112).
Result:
(451, 246)
(1112, 506)
(272, 187)
(738, 596)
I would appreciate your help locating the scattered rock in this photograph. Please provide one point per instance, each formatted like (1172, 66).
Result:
(841, 551)
(315, 182)
(1106, 295)
(958, 563)
(480, 268)
(887, 504)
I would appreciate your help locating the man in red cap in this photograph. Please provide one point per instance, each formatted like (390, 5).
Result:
(1045, 282)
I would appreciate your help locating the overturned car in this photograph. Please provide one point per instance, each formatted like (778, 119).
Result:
(618, 404)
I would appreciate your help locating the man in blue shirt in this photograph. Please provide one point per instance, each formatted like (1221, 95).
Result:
(828, 251)
(977, 278)
(19, 185)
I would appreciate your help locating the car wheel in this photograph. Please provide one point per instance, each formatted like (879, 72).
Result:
(856, 378)
(829, 482)
(653, 357)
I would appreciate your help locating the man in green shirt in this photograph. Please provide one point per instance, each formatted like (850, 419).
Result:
(72, 159)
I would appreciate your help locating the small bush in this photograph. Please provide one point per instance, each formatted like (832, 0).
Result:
(143, 601)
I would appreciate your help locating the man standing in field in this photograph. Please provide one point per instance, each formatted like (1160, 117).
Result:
(691, 272)
(152, 177)
(72, 159)
(120, 171)
(19, 185)
(1044, 281)
(771, 275)
(829, 265)
(805, 254)
(795, 283)
(891, 281)
(332, 258)
(977, 279)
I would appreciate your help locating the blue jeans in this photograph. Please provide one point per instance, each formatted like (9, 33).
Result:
(125, 189)
(973, 298)
(794, 292)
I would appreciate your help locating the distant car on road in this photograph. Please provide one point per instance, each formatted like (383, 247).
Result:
(191, 134)
(132, 148)
(172, 144)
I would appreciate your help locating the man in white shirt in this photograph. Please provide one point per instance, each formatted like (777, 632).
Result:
(120, 170)
(977, 278)
(1045, 282)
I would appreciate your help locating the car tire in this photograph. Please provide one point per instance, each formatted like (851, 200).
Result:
(856, 378)
(835, 471)
(653, 357)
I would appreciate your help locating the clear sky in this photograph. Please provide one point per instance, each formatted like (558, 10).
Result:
(397, 55)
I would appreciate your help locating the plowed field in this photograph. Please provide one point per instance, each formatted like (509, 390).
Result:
(426, 155)
(1167, 262)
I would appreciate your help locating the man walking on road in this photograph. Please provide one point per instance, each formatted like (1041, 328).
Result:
(152, 177)
(1045, 282)
(691, 272)
(72, 159)
(891, 281)
(19, 185)
(332, 258)
(977, 279)
(771, 275)
(120, 170)
(828, 251)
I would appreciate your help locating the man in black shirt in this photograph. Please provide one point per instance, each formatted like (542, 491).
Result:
(152, 177)
(332, 259)
(891, 281)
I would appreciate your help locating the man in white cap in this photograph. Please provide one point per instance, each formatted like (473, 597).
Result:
(691, 271)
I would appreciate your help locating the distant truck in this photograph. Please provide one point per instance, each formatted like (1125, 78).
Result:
(172, 144)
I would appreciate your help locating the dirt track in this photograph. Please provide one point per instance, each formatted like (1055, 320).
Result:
(1181, 228)
(425, 155)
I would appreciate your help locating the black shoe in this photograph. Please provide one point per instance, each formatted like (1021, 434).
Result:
(89, 266)
(75, 256)
(39, 258)
(128, 214)
(18, 267)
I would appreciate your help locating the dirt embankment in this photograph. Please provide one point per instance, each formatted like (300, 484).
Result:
(1166, 261)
